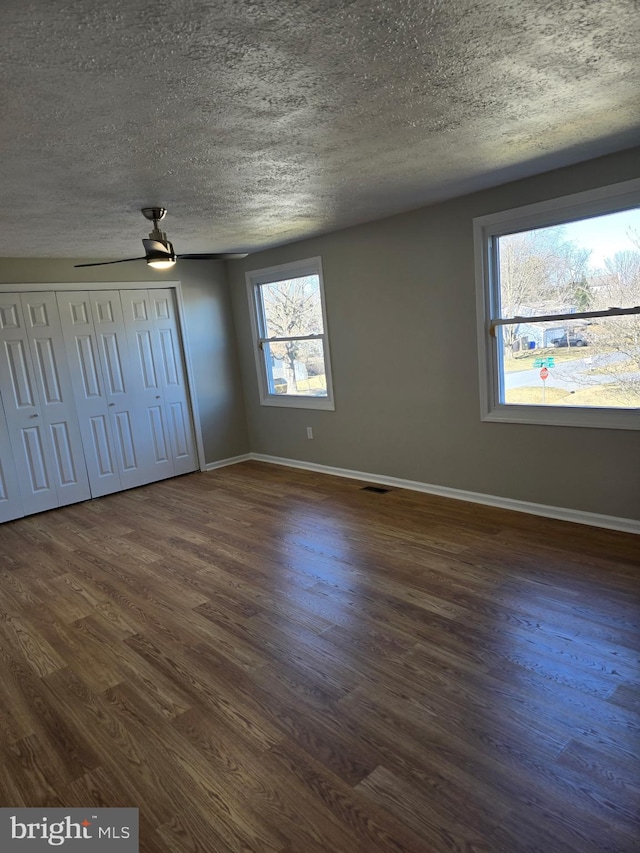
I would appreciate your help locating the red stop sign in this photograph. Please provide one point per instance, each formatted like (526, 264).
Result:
(544, 373)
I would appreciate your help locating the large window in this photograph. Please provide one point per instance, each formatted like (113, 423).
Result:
(558, 287)
(290, 328)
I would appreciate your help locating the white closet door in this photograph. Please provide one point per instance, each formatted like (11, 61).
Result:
(154, 336)
(173, 380)
(145, 379)
(29, 433)
(10, 500)
(132, 429)
(22, 411)
(88, 387)
(42, 321)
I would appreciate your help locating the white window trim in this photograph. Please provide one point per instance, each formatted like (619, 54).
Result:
(255, 278)
(596, 202)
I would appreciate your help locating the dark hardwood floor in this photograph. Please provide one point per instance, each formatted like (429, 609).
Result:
(264, 659)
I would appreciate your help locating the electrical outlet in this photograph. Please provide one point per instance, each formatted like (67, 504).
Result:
(309, 432)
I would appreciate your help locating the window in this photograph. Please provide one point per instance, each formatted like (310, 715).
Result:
(558, 299)
(290, 329)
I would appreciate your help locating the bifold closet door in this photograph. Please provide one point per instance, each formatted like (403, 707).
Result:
(10, 499)
(38, 403)
(132, 403)
(136, 431)
(115, 443)
(158, 374)
(88, 386)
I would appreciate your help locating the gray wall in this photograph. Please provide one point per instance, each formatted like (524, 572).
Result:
(402, 326)
(210, 334)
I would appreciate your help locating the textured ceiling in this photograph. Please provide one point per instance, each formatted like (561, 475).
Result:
(258, 122)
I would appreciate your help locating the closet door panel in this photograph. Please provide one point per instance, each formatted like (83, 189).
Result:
(53, 382)
(10, 499)
(39, 479)
(166, 338)
(29, 440)
(159, 434)
(88, 387)
(131, 429)
(173, 380)
(146, 381)
(100, 448)
(181, 433)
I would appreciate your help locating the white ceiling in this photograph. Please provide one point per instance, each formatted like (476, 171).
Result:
(259, 122)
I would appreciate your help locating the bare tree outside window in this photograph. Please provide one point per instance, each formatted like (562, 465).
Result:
(615, 344)
(292, 310)
(541, 272)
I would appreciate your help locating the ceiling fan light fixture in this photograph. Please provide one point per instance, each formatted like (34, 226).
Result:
(163, 258)
(164, 263)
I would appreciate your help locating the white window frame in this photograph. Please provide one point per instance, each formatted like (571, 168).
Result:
(256, 278)
(486, 230)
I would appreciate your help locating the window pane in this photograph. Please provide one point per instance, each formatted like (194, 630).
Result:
(292, 307)
(588, 265)
(296, 368)
(595, 364)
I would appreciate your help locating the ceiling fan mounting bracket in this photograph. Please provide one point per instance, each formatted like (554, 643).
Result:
(154, 214)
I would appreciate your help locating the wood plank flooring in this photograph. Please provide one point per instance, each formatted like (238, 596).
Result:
(266, 660)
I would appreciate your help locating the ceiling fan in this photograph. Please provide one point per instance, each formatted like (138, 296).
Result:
(159, 251)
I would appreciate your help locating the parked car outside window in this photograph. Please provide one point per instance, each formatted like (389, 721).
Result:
(574, 341)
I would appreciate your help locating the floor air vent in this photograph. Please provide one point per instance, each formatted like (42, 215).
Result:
(377, 489)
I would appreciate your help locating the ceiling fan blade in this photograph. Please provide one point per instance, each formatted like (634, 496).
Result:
(214, 256)
(104, 263)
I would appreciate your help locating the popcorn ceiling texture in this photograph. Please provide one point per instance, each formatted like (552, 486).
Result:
(258, 122)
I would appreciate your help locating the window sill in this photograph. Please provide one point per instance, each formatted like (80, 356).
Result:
(285, 401)
(565, 416)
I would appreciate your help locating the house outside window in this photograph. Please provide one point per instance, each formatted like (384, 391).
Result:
(558, 303)
(289, 324)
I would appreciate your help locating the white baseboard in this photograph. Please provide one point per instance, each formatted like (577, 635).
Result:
(611, 522)
(232, 460)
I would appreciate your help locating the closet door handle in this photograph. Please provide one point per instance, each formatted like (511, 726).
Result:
(34, 416)
(112, 404)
